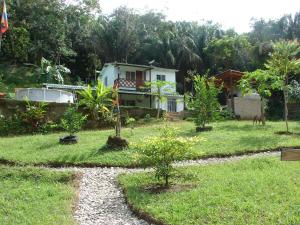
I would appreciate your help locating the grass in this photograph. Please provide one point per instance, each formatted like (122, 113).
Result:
(227, 138)
(256, 191)
(35, 196)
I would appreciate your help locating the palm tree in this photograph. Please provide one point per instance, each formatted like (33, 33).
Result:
(283, 63)
(98, 101)
(158, 89)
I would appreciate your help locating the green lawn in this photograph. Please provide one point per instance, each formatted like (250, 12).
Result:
(256, 191)
(35, 196)
(230, 137)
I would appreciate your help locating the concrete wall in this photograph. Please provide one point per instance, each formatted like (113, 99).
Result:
(246, 108)
(111, 73)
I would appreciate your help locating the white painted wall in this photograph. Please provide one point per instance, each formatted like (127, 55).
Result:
(111, 73)
(44, 95)
(170, 77)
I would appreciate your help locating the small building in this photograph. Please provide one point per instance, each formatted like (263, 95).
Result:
(245, 107)
(131, 79)
(44, 95)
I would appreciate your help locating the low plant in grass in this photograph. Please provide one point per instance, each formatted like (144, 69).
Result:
(130, 122)
(72, 123)
(164, 149)
(203, 105)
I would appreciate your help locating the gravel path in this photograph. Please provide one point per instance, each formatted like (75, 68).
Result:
(101, 201)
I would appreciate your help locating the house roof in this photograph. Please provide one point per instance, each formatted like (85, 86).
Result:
(234, 74)
(229, 78)
(137, 65)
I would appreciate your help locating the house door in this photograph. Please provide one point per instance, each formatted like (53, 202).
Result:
(172, 105)
(139, 79)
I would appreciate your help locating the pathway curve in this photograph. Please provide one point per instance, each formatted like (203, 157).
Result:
(101, 201)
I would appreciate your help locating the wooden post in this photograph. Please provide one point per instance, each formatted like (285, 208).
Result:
(231, 93)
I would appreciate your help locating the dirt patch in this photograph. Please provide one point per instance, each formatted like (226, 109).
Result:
(156, 189)
(285, 133)
(76, 178)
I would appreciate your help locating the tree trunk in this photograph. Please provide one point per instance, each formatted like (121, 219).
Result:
(118, 125)
(166, 180)
(263, 117)
(286, 112)
(158, 109)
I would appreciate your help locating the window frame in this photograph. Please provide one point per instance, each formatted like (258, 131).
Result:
(161, 77)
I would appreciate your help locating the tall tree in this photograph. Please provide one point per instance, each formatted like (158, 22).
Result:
(283, 63)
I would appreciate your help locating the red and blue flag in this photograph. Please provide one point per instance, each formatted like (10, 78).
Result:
(4, 19)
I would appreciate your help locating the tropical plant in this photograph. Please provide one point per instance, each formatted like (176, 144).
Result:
(159, 89)
(283, 63)
(164, 149)
(204, 103)
(262, 81)
(34, 116)
(97, 102)
(53, 73)
(72, 121)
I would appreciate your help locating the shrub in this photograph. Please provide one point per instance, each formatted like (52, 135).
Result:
(204, 105)
(147, 118)
(34, 116)
(161, 151)
(130, 122)
(72, 121)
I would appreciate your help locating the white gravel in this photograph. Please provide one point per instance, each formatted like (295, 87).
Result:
(101, 201)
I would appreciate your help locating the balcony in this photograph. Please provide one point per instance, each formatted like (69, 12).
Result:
(137, 85)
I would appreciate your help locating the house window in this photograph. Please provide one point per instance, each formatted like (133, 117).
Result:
(145, 75)
(105, 81)
(130, 75)
(161, 77)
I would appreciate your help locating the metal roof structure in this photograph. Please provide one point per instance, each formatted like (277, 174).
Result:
(137, 65)
(65, 87)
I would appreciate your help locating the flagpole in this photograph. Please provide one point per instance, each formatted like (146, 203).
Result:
(0, 42)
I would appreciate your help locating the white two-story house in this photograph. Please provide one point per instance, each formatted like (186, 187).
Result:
(131, 80)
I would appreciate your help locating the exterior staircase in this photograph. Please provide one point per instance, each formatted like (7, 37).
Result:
(174, 116)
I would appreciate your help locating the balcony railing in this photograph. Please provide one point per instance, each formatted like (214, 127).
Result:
(138, 85)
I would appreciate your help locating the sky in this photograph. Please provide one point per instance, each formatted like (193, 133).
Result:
(235, 14)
